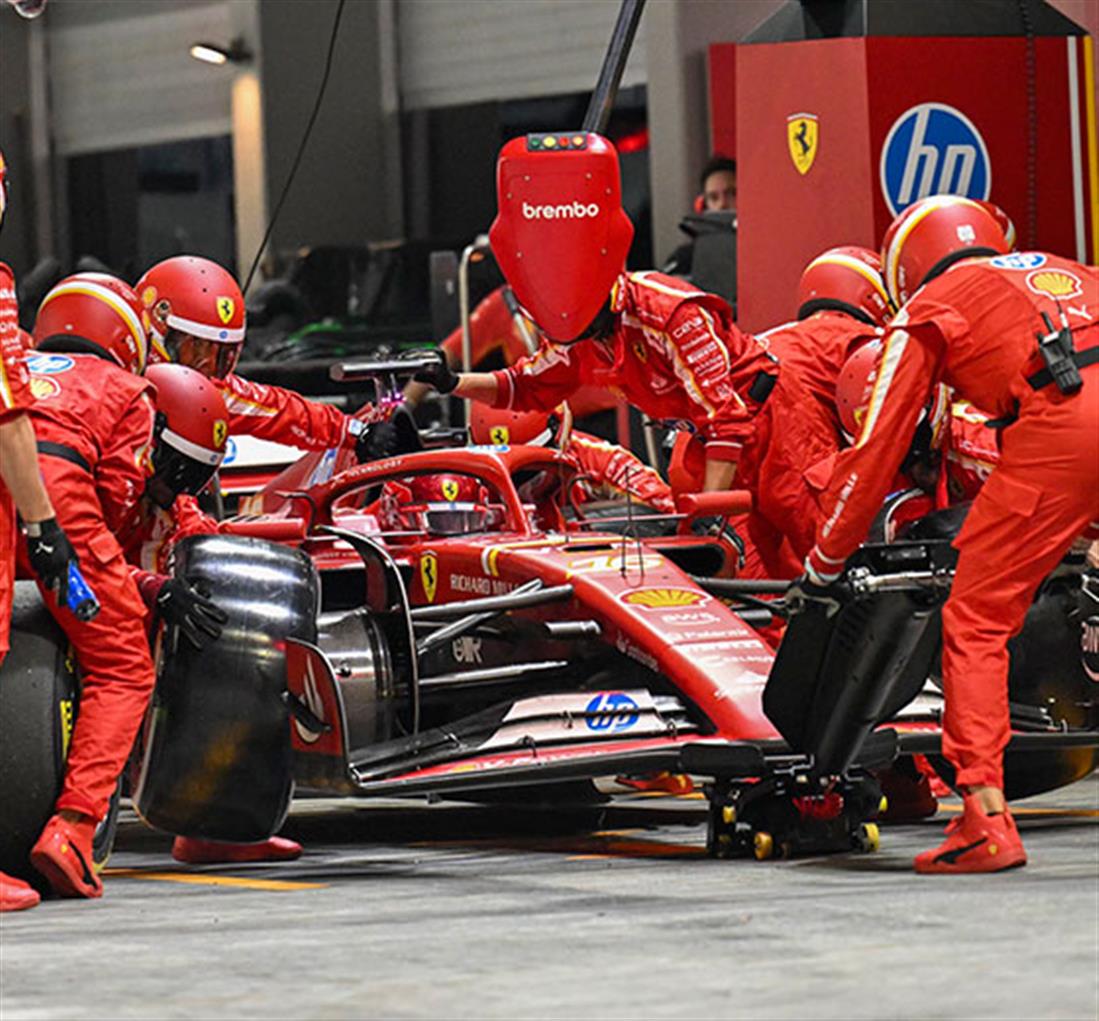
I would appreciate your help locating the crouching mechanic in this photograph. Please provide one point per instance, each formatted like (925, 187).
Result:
(190, 433)
(610, 472)
(21, 489)
(672, 351)
(93, 418)
(1017, 335)
(194, 312)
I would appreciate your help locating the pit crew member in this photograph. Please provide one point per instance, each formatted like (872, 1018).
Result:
(22, 490)
(842, 305)
(1015, 334)
(671, 350)
(93, 418)
(191, 434)
(194, 312)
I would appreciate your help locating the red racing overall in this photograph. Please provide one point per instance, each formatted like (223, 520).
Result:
(815, 349)
(282, 416)
(15, 399)
(97, 413)
(974, 328)
(676, 354)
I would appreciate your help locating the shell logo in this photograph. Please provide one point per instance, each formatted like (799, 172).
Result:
(662, 598)
(1055, 283)
(42, 388)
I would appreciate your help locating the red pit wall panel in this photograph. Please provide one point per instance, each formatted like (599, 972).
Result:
(858, 88)
(785, 217)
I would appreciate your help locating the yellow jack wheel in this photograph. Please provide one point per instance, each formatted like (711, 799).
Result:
(869, 836)
(763, 845)
(728, 815)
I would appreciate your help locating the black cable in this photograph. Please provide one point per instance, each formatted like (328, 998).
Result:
(301, 146)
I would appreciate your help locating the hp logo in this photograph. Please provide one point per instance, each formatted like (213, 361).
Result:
(613, 711)
(933, 149)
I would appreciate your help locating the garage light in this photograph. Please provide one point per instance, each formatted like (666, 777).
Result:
(211, 53)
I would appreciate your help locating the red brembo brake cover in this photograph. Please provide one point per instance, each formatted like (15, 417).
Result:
(560, 235)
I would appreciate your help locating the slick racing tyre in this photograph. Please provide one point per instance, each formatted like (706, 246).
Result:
(217, 759)
(37, 711)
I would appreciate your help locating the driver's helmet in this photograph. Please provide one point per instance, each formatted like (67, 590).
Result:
(499, 427)
(435, 504)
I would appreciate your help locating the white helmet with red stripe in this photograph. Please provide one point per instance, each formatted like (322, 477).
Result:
(93, 312)
(195, 315)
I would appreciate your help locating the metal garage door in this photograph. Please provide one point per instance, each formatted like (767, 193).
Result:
(454, 53)
(119, 79)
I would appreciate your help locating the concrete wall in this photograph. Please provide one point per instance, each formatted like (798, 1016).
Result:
(347, 190)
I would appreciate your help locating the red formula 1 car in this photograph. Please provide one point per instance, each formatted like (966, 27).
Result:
(509, 647)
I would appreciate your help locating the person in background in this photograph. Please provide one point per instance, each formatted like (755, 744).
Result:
(717, 194)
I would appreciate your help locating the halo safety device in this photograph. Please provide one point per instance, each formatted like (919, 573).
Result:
(845, 279)
(560, 235)
(94, 313)
(195, 314)
(933, 234)
(190, 433)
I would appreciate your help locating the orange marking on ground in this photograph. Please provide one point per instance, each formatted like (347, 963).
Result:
(199, 879)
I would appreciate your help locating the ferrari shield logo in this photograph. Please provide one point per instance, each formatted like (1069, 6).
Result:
(429, 575)
(801, 136)
(500, 434)
(226, 308)
(450, 490)
(221, 431)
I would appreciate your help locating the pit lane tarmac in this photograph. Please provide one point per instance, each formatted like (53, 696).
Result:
(404, 910)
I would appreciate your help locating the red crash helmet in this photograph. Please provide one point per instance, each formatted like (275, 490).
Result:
(499, 427)
(190, 432)
(195, 314)
(93, 312)
(930, 236)
(1004, 221)
(856, 379)
(435, 504)
(560, 235)
(845, 279)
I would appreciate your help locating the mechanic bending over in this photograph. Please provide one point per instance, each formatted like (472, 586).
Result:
(191, 433)
(671, 350)
(1017, 335)
(49, 551)
(94, 423)
(194, 313)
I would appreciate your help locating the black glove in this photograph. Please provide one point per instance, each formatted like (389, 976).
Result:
(50, 554)
(377, 440)
(183, 605)
(808, 591)
(438, 375)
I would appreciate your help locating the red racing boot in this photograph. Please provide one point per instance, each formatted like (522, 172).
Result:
(975, 842)
(193, 851)
(15, 895)
(63, 854)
